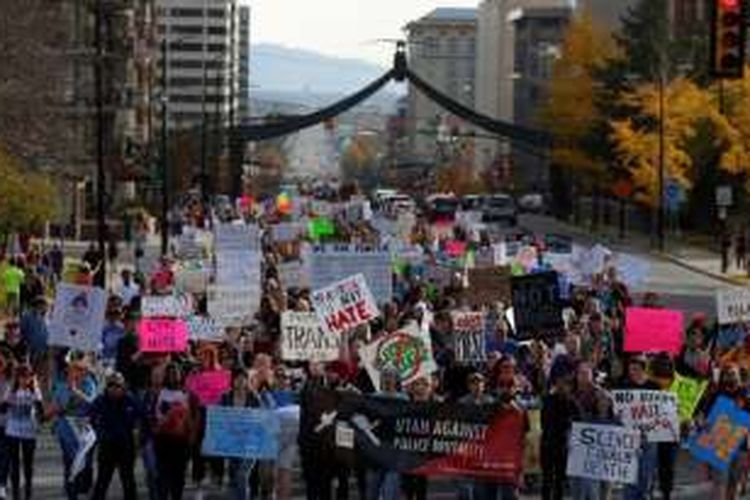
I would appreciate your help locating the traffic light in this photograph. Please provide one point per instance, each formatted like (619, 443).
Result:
(728, 34)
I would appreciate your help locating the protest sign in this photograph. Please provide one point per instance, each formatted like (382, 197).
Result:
(233, 305)
(192, 277)
(455, 248)
(321, 227)
(603, 453)
(536, 304)
(727, 429)
(689, 393)
(286, 231)
(631, 270)
(237, 237)
(440, 276)
(487, 286)
(303, 339)
(468, 336)
(201, 328)
(345, 304)
(238, 268)
(733, 305)
(162, 335)
(166, 306)
(408, 351)
(730, 336)
(327, 264)
(653, 413)
(78, 317)
(208, 386)
(429, 439)
(238, 432)
(293, 274)
(653, 330)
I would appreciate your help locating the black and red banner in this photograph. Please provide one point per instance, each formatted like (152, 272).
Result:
(431, 439)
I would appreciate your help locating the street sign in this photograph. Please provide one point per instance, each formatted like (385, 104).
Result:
(724, 196)
(673, 195)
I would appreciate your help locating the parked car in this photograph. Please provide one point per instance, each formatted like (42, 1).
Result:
(442, 207)
(500, 208)
(532, 202)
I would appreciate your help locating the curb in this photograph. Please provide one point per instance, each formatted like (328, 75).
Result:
(699, 270)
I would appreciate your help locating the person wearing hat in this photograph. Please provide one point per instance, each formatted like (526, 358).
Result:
(115, 416)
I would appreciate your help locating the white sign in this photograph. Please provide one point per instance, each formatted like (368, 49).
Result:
(345, 304)
(724, 196)
(166, 306)
(603, 453)
(238, 268)
(78, 317)
(203, 328)
(303, 339)
(236, 237)
(653, 413)
(287, 231)
(733, 305)
(468, 336)
(293, 275)
(192, 277)
(233, 305)
(330, 263)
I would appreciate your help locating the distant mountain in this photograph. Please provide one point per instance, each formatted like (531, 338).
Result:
(283, 74)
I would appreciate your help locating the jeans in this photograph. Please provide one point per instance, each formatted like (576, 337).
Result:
(68, 441)
(584, 489)
(382, 484)
(148, 456)
(667, 456)
(19, 447)
(239, 478)
(120, 456)
(171, 461)
(646, 465)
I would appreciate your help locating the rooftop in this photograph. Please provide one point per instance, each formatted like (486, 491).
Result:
(451, 14)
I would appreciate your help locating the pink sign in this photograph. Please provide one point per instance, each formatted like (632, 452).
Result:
(455, 248)
(209, 386)
(162, 335)
(653, 330)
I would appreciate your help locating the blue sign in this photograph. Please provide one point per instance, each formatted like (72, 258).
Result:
(239, 432)
(727, 429)
(674, 195)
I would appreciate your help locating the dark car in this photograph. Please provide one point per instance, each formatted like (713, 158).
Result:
(500, 208)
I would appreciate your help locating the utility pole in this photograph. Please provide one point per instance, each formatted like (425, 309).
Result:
(164, 151)
(662, 163)
(101, 226)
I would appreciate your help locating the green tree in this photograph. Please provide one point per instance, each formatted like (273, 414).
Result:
(27, 199)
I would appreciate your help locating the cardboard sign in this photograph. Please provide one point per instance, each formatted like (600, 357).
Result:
(536, 304)
(201, 328)
(689, 393)
(487, 286)
(166, 306)
(653, 330)
(468, 337)
(239, 432)
(345, 304)
(727, 429)
(603, 453)
(303, 339)
(237, 237)
(77, 319)
(327, 264)
(162, 335)
(408, 351)
(654, 413)
(208, 387)
(233, 305)
(733, 306)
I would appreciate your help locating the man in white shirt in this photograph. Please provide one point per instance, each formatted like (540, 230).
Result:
(129, 289)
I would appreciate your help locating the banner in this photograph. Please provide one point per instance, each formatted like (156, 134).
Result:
(233, 305)
(727, 429)
(205, 329)
(733, 306)
(653, 330)
(487, 286)
(654, 413)
(166, 306)
(240, 432)
(303, 339)
(603, 453)
(689, 393)
(536, 304)
(162, 335)
(468, 337)
(408, 351)
(327, 264)
(430, 439)
(77, 319)
(208, 387)
(345, 304)
(240, 237)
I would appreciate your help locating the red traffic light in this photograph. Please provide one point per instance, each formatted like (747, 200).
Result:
(728, 34)
(729, 4)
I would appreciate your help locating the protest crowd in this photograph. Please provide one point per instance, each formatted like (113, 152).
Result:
(364, 353)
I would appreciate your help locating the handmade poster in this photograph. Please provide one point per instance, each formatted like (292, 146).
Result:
(487, 286)
(236, 237)
(653, 330)
(428, 439)
(631, 270)
(238, 268)
(408, 351)
(727, 429)
(240, 432)
(192, 277)
(689, 392)
(321, 227)
(303, 339)
(654, 413)
(440, 276)
(287, 231)
(202, 328)
(537, 307)
(77, 319)
(327, 264)
(208, 386)
(733, 306)
(603, 453)
(345, 304)
(455, 248)
(468, 337)
(233, 305)
(166, 306)
(162, 335)
(293, 274)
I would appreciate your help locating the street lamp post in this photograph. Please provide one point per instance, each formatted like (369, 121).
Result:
(662, 163)
(101, 226)
(164, 153)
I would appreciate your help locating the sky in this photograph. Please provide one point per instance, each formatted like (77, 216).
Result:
(340, 28)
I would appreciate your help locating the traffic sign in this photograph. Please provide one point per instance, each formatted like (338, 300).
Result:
(724, 196)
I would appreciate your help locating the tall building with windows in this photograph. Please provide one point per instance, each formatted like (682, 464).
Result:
(442, 51)
(244, 63)
(204, 64)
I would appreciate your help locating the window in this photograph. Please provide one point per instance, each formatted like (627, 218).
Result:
(187, 12)
(195, 64)
(186, 30)
(217, 30)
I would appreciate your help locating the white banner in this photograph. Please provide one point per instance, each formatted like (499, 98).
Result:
(603, 453)
(652, 412)
(166, 306)
(303, 339)
(77, 319)
(233, 305)
(345, 304)
(733, 305)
